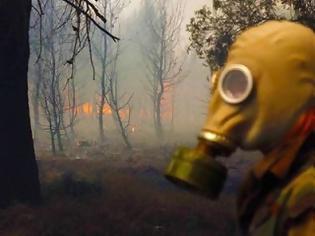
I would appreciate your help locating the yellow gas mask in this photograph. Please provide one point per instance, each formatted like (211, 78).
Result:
(265, 86)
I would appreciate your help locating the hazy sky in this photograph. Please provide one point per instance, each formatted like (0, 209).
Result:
(191, 7)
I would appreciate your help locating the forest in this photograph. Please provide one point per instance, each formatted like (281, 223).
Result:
(97, 95)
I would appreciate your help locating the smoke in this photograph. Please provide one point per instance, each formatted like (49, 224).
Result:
(184, 105)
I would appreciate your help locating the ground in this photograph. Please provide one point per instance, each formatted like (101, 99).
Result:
(117, 195)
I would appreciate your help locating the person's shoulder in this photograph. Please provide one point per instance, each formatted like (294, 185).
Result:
(300, 193)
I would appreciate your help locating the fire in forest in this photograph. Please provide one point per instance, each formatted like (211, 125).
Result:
(90, 109)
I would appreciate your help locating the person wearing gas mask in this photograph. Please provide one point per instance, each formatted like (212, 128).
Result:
(263, 99)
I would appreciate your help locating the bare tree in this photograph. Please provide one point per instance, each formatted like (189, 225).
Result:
(35, 98)
(55, 99)
(163, 21)
(72, 104)
(53, 102)
(109, 78)
(80, 16)
(119, 104)
(18, 172)
(65, 27)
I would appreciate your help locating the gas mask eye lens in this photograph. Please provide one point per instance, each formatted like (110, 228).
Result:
(235, 84)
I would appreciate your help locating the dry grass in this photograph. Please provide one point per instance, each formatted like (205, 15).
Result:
(113, 197)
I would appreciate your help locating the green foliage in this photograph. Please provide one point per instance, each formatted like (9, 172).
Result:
(304, 11)
(212, 31)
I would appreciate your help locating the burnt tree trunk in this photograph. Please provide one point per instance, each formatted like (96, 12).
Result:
(18, 169)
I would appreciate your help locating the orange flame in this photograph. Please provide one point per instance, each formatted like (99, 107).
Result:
(107, 110)
(89, 109)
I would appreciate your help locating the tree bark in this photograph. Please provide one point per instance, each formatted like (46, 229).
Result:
(18, 169)
(103, 82)
(102, 102)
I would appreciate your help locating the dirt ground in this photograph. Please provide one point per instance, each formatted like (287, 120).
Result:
(121, 194)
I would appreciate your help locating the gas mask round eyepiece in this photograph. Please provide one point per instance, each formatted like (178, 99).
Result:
(235, 83)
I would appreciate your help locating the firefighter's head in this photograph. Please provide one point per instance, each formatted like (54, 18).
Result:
(266, 85)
